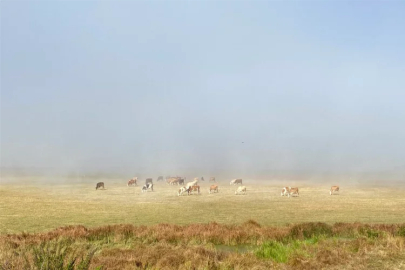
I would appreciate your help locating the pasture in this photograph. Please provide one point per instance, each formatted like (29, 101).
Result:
(31, 205)
(70, 225)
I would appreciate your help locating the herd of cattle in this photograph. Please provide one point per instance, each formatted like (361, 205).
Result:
(193, 187)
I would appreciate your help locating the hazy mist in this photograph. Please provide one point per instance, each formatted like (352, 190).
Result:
(207, 87)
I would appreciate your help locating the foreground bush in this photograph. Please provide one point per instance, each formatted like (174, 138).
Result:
(208, 246)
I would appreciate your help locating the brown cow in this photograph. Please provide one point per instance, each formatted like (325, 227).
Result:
(212, 179)
(194, 188)
(100, 185)
(213, 188)
(133, 181)
(293, 191)
(334, 189)
(174, 181)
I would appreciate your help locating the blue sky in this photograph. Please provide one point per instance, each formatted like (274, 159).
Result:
(172, 86)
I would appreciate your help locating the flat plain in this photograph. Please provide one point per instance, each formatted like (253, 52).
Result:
(33, 205)
(64, 223)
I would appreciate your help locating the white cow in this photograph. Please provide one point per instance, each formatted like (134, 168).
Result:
(241, 190)
(193, 183)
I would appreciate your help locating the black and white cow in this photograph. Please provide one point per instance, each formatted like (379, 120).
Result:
(146, 187)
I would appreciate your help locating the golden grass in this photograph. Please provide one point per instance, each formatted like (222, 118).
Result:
(201, 246)
(33, 206)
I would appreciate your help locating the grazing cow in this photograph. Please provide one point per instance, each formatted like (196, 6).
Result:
(236, 181)
(182, 190)
(190, 184)
(146, 187)
(293, 191)
(133, 181)
(160, 178)
(212, 179)
(240, 190)
(285, 191)
(100, 185)
(148, 180)
(193, 189)
(213, 188)
(334, 189)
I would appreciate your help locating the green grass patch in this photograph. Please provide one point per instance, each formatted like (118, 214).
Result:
(282, 251)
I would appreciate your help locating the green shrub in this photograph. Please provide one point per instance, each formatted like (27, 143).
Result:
(401, 231)
(274, 250)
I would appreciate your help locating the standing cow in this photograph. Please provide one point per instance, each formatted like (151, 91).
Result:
(193, 183)
(133, 181)
(236, 181)
(212, 179)
(181, 181)
(148, 180)
(194, 189)
(334, 189)
(213, 188)
(100, 185)
(160, 178)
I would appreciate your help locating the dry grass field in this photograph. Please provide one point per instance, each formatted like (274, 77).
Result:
(70, 225)
(33, 206)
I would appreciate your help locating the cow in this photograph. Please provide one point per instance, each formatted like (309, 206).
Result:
(182, 190)
(170, 179)
(285, 191)
(148, 180)
(194, 188)
(100, 185)
(146, 187)
(190, 184)
(240, 190)
(160, 178)
(293, 191)
(334, 189)
(181, 181)
(213, 188)
(236, 181)
(174, 181)
(133, 181)
(202, 178)
(212, 179)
